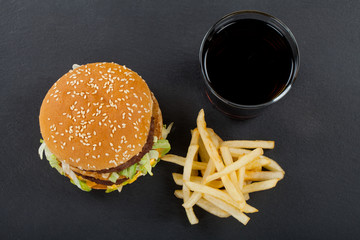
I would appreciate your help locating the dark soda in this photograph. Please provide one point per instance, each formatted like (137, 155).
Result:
(248, 62)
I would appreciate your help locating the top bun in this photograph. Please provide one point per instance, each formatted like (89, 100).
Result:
(96, 116)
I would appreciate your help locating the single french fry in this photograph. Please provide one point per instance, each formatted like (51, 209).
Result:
(191, 216)
(192, 151)
(202, 151)
(249, 209)
(260, 186)
(249, 144)
(236, 213)
(213, 192)
(257, 163)
(242, 161)
(246, 196)
(241, 177)
(238, 152)
(194, 141)
(215, 157)
(263, 175)
(206, 205)
(273, 166)
(196, 179)
(181, 161)
(215, 138)
(204, 156)
(195, 137)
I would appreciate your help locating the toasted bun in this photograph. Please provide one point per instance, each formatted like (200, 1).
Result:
(97, 116)
(158, 122)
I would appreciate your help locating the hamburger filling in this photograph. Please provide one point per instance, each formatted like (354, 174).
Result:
(120, 176)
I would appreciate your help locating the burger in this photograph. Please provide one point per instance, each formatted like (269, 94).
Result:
(102, 127)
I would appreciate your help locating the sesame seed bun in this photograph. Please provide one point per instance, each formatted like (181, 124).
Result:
(96, 175)
(98, 116)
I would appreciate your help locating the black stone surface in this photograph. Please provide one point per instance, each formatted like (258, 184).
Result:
(316, 126)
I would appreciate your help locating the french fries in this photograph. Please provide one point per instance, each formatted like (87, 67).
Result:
(260, 186)
(204, 156)
(258, 163)
(236, 213)
(211, 191)
(237, 152)
(181, 161)
(206, 205)
(226, 155)
(236, 165)
(215, 157)
(249, 144)
(229, 171)
(273, 166)
(178, 179)
(197, 195)
(192, 151)
(241, 177)
(263, 175)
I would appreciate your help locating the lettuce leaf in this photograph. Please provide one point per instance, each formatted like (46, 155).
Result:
(54, 163)
(83, 186)
(153, 154)
(145, 164)
(163, 145)
(114, 177)
(110, 189)
(129, 172)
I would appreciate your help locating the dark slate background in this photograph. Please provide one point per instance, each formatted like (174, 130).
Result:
(316, 126)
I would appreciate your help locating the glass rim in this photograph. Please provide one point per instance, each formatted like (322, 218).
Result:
(294, 70)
